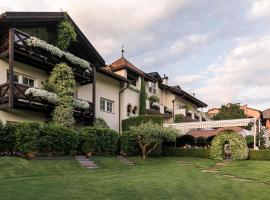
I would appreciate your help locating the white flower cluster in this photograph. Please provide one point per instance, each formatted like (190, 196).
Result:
(81, 104)
(35, 42)
(266, 137)
(42, 94)
(52, 97)
(155, 104)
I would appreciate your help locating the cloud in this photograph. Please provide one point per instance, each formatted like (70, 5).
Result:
(243, 76)
(185, 80)
(260, 9)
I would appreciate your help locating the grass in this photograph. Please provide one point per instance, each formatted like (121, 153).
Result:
(156, 178)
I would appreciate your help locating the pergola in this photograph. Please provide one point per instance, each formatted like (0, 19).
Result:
(184, 127)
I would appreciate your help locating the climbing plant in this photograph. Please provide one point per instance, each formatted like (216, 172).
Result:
(62, 83)
(239, 148)
(142, 109)
(65, 35)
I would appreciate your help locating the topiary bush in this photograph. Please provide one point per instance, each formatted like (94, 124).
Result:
(99, 140)
(136, 121)
(238, 145)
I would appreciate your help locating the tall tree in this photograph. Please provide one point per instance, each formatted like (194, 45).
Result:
(232, 111)
(142, 110)
(62, 82)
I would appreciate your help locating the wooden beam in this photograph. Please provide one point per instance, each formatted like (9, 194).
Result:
(11, 67)
(94, 92)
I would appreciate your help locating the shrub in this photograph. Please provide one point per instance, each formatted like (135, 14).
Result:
(27, 134)
(99, 140)
(236, 141)
(100, 123)
(136, 121)
(186, 152)
(153, 98)
(178, 118)
(56, 140)
(7, 139)
(129, 143)
(259, 154)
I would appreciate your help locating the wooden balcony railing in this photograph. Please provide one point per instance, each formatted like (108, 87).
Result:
(34, 104)
(41, 58)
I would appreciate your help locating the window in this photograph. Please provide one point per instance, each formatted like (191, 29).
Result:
(22, 79)
(152, 88)
(132, 79)
(106, 105)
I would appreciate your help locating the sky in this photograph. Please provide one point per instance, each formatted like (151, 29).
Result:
(217, 49)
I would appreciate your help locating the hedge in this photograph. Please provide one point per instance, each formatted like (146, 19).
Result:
(37, 139)
(7, 139)
(129, 144)
(186, 152)
(259, 154)
(98, 140)
(136, 121)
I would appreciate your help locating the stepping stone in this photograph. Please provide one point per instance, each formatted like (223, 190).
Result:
(85, 162)
(210, 171)
(125, 160)
(242, 179)
(222, 164)
(227, 175)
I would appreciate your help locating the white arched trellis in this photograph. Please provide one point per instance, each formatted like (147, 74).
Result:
(184, 127)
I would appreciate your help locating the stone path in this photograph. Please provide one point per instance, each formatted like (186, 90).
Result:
(84, 161)
(125, 160)
(215, 170)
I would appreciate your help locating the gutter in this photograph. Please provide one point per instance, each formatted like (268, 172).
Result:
(120, 92)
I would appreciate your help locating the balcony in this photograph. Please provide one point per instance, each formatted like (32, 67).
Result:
(155, 108)
(22, 101)
(42, 58)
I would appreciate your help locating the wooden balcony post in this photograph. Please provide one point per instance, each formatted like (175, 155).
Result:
(94, 92)
(11, 68)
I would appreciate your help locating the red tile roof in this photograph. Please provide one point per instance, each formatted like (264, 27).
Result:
(210, 133)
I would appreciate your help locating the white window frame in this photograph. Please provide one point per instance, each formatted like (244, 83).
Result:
(20, 79)
(108, 105)
(153, 88)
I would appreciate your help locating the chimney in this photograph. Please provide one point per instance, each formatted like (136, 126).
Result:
(165, 80)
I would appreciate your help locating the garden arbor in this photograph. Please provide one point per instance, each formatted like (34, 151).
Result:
(184, 127)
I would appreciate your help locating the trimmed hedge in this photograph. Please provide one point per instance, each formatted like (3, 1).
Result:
(98, 140)
(129, 144)
(186, 152)
(7, 139)
(136, 121)
(259, 154)
(37, 139)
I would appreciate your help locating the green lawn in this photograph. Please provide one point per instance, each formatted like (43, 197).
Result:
(156, 178)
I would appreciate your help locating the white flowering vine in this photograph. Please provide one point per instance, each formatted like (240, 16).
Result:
(265, 137)
(52, 97)
(36, 42)
(155, 104)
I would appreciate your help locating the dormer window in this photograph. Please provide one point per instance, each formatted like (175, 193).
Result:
(132, 79)
(152, 88)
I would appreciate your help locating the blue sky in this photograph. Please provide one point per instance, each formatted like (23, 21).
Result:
(217, 49)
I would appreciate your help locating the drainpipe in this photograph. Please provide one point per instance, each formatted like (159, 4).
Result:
(120, 92)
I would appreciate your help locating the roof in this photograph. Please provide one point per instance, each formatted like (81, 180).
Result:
(156, 76)
(123, 63)
(266, 114)
(14, 19)
(210, 133)
(112, 75)
(184, 95)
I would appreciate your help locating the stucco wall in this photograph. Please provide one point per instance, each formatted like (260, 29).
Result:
(16, 115)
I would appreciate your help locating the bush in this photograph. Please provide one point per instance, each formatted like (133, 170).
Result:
(185, 152)
(259, 154)
(56, 140)
(153, 98)
(136, 121)
(100, 123)
(129, 143)
(7, 139)
(37, 139)
(99, 140)
(239, 148)
(178, 118)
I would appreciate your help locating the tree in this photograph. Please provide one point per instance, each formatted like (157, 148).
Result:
(142, 110)
(62, 82)
(230, 112)
(150, 135)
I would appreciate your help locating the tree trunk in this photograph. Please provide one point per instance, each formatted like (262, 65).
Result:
(143, 149)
